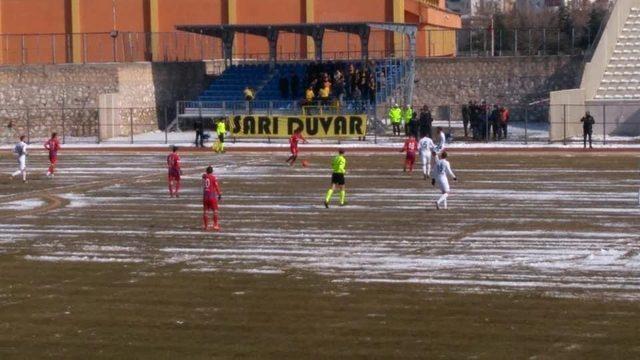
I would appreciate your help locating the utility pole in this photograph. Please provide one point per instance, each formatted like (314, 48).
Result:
(114, 32)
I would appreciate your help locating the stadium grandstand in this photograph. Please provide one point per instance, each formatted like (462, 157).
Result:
(372, 44)
(355, 85)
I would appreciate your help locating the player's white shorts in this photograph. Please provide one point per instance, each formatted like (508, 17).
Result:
(443, 184)
(426, 157)
(22, 162)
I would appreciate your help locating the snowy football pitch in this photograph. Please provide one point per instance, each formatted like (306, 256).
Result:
(539, 255)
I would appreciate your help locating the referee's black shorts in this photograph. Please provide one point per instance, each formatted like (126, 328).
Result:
(337, 179)
(221, 138)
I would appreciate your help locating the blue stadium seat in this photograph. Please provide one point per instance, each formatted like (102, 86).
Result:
(230, 84)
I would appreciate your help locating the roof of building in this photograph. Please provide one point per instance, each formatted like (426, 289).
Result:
(305, 29)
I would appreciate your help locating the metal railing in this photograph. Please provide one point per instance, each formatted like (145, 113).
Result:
(521, 42)
(615, 123)
(213, 109)
(18, 49)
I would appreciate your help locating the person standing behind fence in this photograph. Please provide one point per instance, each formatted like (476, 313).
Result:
(494, 120)
(504, 122)
(425, 121)
(587, 128)
(407, 115)
(198, 126)
(395, 117)
(466, 117)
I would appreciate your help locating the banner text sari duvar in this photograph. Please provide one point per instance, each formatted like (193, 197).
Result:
(313, 126)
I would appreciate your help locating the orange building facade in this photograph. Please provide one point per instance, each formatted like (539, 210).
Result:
(60, 31)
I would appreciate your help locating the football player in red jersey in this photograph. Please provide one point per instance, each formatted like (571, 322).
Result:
(173, 164)
(293, 145)
(52, 145)
(211, 195)
(410, 147)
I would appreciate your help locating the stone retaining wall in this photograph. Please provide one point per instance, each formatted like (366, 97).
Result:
(513, 81)
(37, 100)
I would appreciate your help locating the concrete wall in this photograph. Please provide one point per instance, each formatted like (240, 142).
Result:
(33, 96)
(566, 110)
(505, 80)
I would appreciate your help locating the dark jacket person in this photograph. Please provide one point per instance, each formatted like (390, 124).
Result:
(425, 121)
(587, 128)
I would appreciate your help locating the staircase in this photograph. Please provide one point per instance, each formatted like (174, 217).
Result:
(621, 79)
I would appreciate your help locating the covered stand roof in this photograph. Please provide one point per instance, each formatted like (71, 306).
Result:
(226, 32)
(304, 29)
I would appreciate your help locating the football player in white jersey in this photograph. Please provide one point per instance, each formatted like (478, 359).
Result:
(425, 147)
(20, 150)
(441, 173)
(441, 139)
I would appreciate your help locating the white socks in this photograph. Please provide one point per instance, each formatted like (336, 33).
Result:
(24, 174)
(443, 200)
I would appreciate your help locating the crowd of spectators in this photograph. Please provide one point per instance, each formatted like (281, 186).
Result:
(331, 83)
(485, 121)
(415, 124)
(480, 120)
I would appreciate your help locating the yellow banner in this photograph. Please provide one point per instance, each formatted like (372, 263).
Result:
(313, 126)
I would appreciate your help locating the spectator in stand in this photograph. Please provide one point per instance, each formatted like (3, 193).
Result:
(372, 89)
(504, 121)
(294, 81)
(466, 117)
(338, 86)
(326, 81)
(249, 96)
(356, 95)
(351, 81)
(363, 84)
(425, 121)
(283, 85)
(324, 93)
(587, 128)
(309, 96)
(382, 80)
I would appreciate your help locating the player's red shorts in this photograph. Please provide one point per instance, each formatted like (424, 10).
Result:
(294, 150)
(53, 159)
(174, 174)
(210, 204)
(411, 156)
